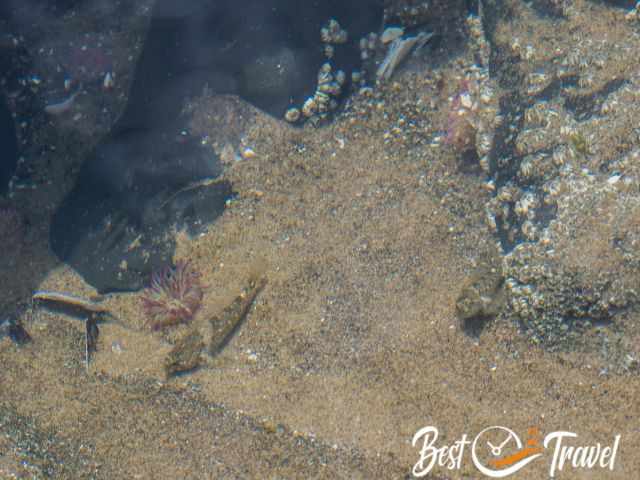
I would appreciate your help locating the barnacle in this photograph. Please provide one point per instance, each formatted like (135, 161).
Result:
(174, 295)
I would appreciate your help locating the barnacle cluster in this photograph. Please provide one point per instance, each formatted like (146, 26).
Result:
(324, 99)
(368, 46)
(332, 32)
(563, 171)
(174, 295)
(473, 116)
(330, 83)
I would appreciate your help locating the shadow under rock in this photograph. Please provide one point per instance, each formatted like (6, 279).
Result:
(148, 175)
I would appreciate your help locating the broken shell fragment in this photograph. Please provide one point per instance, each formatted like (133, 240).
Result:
(398, 51)
(390, 34)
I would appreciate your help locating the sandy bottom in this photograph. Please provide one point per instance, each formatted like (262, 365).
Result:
(366, 238)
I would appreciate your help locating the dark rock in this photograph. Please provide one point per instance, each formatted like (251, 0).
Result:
(115, 225)
(8, 145)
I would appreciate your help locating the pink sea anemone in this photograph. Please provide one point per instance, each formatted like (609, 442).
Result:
(174, 296)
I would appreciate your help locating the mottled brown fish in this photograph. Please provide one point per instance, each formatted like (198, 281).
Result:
(226, 324)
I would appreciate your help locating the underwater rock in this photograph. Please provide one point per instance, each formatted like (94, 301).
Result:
(116, 223)
(12, 231)
(269, 77)
(133, 189)
(586, 268)
(9, 143)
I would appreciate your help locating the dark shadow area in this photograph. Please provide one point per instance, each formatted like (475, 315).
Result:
(474, 326)
(584, 106)
(149, 175)
(618, 3)
(8, 146)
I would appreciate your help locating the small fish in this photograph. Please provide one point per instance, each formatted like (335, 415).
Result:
(224, 326)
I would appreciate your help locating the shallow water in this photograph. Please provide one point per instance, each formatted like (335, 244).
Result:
(455, 248)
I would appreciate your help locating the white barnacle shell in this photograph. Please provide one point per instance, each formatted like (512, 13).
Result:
(537, 81)
(390, 34)
(526, 169)
(330, 88)
(108, 82)
(545, 238)
(489, 186)
(505, 194)
(559, 156)
(483, 143)
(465, 100)
(321, 98)
(325, 68)
(322, 101)
(504, 212)
(324, 77)
(552, 189)
(341, 37)
(491, 221)
(586, 80)
(525, 204)
(372, 41)
(484, 164)
(329, 51)
(529, 230)
(310, 107)
(325, 35)
(292, 115)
